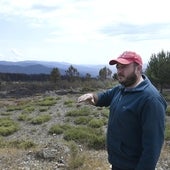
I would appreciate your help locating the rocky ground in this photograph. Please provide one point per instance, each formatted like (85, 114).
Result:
(51, 152)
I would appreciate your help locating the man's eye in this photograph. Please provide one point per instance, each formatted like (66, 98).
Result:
(121, 67)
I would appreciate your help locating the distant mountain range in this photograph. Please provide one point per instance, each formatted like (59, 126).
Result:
(43, 67)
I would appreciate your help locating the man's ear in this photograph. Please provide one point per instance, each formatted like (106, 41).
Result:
(139, 68)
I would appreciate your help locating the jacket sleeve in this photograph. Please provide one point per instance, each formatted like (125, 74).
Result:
(153, 126)
(105, 98)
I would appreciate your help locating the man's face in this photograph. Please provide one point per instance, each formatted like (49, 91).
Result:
(127, 74)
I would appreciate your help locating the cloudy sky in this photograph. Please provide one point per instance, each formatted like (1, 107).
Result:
(82, 31)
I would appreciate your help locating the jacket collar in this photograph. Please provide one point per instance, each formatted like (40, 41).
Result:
(140, 87)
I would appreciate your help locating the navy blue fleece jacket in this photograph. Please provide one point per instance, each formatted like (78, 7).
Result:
(136, 125)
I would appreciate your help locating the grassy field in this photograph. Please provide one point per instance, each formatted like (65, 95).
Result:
(32, 126)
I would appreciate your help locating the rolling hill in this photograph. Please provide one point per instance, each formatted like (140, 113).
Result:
(43, 67)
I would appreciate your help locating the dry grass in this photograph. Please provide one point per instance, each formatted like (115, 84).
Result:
(165, 154)
(96, 160)
(12, 158)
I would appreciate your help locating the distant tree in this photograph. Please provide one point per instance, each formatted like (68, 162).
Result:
(158, 69)
(72, 73)
(55, 75)
(11, 77)
(105, 73)
(88, 76)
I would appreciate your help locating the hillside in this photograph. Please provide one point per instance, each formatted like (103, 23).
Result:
(38, 67)
(47, 124)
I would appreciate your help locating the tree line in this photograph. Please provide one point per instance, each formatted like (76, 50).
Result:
(71, 74)
(158, 71)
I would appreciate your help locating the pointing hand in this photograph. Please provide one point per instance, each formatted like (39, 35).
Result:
(89, 97)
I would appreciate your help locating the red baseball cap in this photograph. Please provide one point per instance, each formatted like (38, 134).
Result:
(126, 58)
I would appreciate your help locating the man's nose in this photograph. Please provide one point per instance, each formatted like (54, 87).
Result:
(119, 70)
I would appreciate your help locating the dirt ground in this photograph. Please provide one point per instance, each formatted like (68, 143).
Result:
(19, 159)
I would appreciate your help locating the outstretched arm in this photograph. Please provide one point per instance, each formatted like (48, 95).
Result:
(91, 98)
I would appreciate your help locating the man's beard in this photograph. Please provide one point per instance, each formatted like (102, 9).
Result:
(130, 80)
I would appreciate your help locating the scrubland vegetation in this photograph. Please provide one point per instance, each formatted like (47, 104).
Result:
(31, 123)
(43, 127)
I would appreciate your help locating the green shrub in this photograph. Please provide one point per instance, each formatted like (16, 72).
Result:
(41, 119)
(43, 109)
(22, 144)
(85, 111)
(167, 96)
(77, 134)
(58, 98)
(76, 159)
(87, 136)
(56, 129)
(105, 112)
(48, 101)
(168, 111)
(105, 120)
(82, 120)
(97, 141)
(28, 109)
(59, 129)
(167, 131)
(19, 144)
(66, 126)
(13, 108)
(8, 126)
(96, 123)
(5, 113)
(23, 117)
(69, 103)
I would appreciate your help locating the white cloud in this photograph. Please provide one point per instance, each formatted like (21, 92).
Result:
(16, 52)
(95, 27)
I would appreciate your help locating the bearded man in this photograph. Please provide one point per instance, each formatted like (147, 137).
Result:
(136, 124)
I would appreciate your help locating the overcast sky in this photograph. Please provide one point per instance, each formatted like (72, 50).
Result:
(82, 31)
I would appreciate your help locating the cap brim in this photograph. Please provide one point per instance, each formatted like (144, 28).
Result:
(120, 60)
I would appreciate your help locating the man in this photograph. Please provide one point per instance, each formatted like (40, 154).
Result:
(136, 124)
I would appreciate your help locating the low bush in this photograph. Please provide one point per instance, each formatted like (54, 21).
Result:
(22, 144)
(96, 123)
(5, 113)
(56, 129)
(168, 111)
(41, 119)
(76, 158)
(59, 129)
(167, 97)
(167, 131)
(19, 144)
(84, 111)
(69, 103)
(43, 108)
(8, 126)
(105, 112)
(87, 136)
(97, 142)
(13, 108)
(28, 109)
(48, 101)
(23, 117)
(83, 120)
